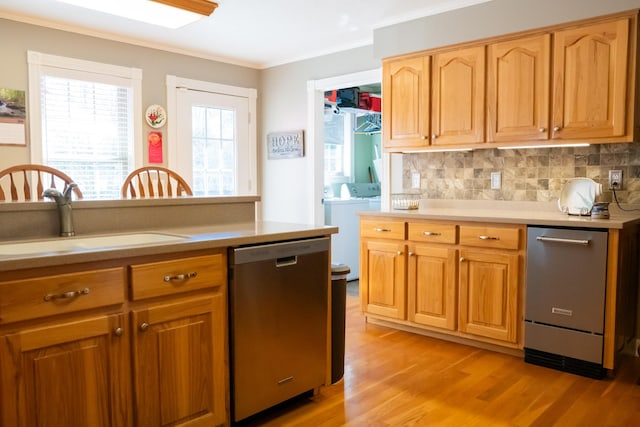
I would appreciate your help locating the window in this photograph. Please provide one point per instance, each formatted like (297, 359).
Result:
(338, 147)
(83, 121)
(219, 156)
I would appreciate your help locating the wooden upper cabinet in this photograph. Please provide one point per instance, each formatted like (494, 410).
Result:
(518, 79)
(405, 87)
(590, 81)
(458, 97)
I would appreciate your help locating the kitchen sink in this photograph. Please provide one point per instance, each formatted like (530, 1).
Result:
(83, 243)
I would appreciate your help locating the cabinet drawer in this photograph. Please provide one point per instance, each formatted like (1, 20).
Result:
(490, 237)
(432, 232)
(180, 275)
(64, 293)
(388, 229)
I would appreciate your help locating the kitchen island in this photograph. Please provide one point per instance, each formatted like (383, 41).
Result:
(126, 323)
(457, 270)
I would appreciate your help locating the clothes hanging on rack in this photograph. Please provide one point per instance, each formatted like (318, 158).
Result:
(372, 124)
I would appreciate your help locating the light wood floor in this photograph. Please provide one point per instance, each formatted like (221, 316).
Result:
(395, 378)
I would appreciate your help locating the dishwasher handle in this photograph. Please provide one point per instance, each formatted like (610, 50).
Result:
(583, 242)
(286, 261)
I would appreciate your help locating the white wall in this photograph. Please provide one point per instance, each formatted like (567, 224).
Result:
(286, 184)
(493, 18)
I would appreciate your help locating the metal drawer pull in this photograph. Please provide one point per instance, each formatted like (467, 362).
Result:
(66, 295)
(286, 261)
(564, 312)
(488, 238)
(180, 276)
(559, 240)
(285, 380)
(382, 230)
(118, 332)
(144, 326)
(431, 233)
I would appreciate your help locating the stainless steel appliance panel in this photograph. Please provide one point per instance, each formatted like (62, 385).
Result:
(579, 345)
(278, 319)
(566, 277)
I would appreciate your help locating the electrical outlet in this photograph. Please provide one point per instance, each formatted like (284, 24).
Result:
(415, 180)
(496, 180)
(615, 180)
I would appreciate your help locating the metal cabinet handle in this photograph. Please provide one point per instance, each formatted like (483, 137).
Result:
(184, 276)
(398, 252)
(431, 233)
(542, 130)
(144, 326)
(488, 238)
(560, 240)
(423, 137)
(411, 253)
(66, 295)
(434, 136)
(382, 230)
(462, 259)
(557, 128)
(118, 332)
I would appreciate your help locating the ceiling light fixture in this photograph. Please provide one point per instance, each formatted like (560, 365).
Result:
(166, 13)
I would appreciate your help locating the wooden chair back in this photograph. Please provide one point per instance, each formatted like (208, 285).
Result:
(154, 182)
(23, 183)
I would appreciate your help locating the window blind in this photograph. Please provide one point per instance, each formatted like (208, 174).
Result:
(87, 132)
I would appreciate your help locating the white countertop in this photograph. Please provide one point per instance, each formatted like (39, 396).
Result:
(528, 213)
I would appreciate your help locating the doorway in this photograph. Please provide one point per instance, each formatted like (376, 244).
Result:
(315, 107)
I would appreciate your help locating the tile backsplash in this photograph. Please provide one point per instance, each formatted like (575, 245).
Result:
(534, 174)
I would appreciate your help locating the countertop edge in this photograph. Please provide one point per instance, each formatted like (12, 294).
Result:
(196, 238)
(618, 220)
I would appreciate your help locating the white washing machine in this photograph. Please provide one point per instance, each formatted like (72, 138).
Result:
(342, 213)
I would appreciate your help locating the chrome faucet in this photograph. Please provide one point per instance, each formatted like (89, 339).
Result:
(63, 200)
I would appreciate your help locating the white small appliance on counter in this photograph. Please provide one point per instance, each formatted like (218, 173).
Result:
(578, 196)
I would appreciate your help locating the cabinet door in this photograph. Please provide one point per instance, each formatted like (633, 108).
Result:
(590, 81)
(405, 88)
(518, 89)
(179, 362)
(432, 285)
(489, 294)
(73, 374)
(382, 283)
(458, 97)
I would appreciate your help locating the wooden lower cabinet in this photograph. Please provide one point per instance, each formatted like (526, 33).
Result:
(432, 286)
(383, 275)
(452, 278)
(72, 374)
(137, 342)
(179, 362)
(489, 296)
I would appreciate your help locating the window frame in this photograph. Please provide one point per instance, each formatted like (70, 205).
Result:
(174, 84)
(39, 63)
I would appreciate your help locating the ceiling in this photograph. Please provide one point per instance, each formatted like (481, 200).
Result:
(252, 33)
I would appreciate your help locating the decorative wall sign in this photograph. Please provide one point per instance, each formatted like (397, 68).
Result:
(285, 145)
(12, 117)
(155, 116)
(155, 147)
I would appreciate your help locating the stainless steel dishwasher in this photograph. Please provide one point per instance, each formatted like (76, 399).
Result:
(278, 320)
(564, 310)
